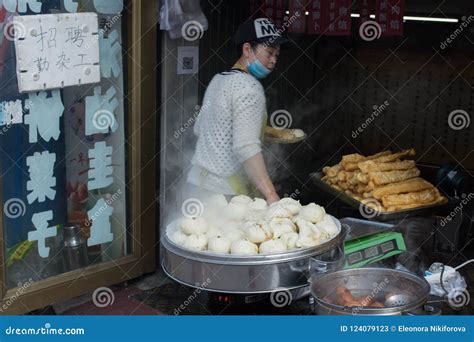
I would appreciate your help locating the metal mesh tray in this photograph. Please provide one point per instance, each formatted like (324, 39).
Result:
(377, 216)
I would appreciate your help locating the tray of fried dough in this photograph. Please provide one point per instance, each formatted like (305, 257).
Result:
(387, 184)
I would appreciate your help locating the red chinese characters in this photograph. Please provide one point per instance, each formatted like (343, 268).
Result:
(338, 17)
(389, 14)
(297, 16)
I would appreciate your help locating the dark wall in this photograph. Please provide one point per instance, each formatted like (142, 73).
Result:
(330, 86)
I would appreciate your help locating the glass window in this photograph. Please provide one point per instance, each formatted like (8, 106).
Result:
(63, 151)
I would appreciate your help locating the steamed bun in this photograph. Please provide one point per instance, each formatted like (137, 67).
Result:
(194, 226)
(236, 211)
(290, 239)
(328, 225)
(277, 211)
(257, 204)
(280, 226)
(290, 204)
(307, 241)
(312, 213)
(257, 232)
(196, 242)
(241, 199)
(178, 237)
(272, 246)
(243, 247)
(213, 231)
(234, 235)
(219, 244)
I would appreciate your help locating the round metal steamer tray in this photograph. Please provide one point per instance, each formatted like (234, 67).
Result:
(377, 282)
(244, 274)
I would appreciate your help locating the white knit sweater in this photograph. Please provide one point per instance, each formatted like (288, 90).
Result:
(228, 128)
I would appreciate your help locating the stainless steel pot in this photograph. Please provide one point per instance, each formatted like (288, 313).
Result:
(250, 274)
(401, 292)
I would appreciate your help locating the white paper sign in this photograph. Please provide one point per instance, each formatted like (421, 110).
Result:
(56, 50)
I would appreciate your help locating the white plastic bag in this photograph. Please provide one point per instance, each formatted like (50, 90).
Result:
(183, 18)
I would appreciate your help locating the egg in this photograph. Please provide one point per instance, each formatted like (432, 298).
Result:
(257, 204)
(280, 226)
(219, 244)
(312, 213)
(243, 247)
(290, 204)
(272, 246)
(257, 232)
(194, 226)
(196, 242)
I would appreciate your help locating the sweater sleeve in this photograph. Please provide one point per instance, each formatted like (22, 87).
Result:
(248, 113)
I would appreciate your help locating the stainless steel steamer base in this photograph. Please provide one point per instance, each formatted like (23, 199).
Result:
(249, 274)
(380, 284)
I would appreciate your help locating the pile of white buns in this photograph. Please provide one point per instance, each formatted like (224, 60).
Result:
(249, 227)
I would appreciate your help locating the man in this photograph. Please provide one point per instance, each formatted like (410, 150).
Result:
(228, 157)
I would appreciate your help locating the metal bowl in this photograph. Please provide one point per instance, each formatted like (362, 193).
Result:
(401, 292)
(247, 274)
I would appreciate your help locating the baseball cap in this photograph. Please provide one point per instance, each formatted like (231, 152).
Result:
(260, 30)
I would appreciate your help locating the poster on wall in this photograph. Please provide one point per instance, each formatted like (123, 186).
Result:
(275, 10)
(337, 16)
(389, 14)
(297, 11)
(56, 50)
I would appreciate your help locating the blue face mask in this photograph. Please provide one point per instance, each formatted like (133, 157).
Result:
(257, 69)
